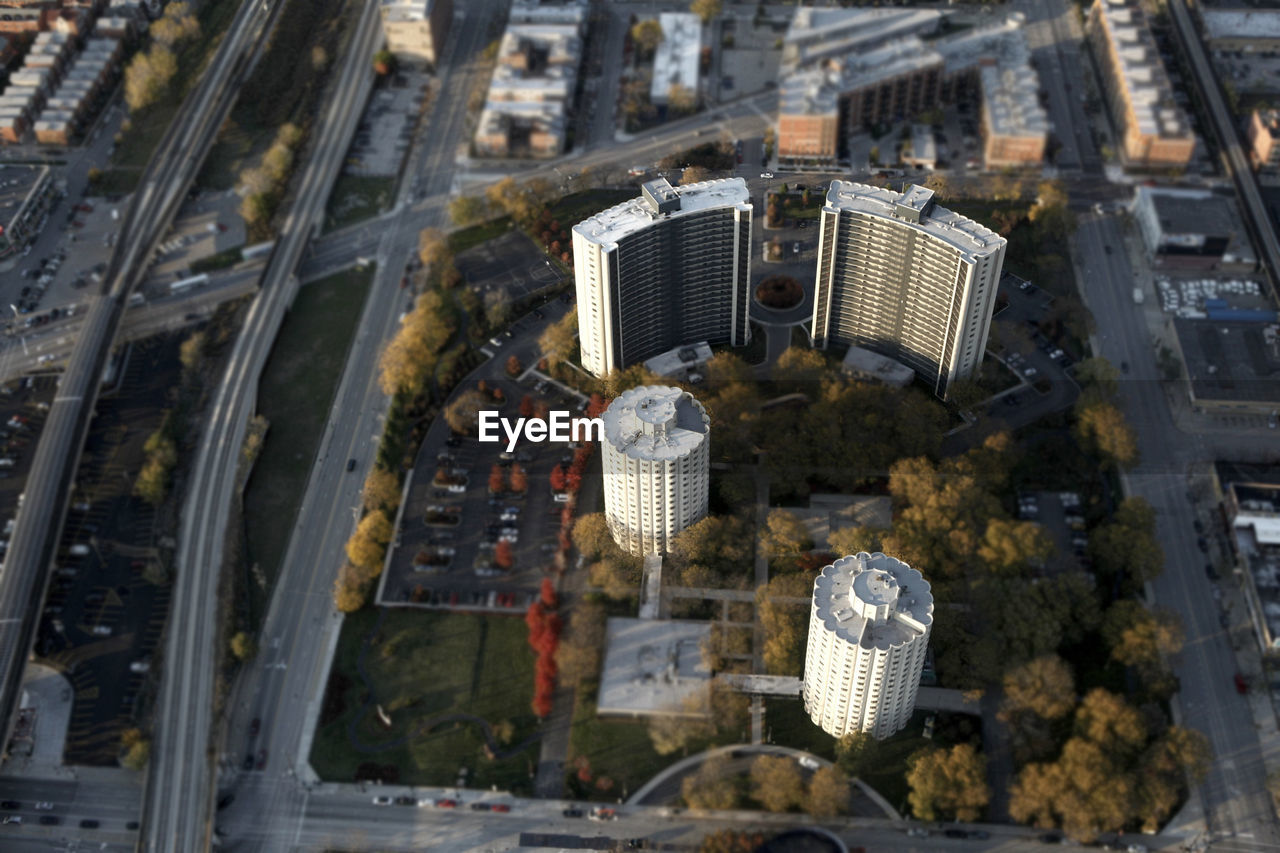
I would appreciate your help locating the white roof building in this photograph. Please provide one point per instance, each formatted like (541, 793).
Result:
(678, 56)
(653, 667)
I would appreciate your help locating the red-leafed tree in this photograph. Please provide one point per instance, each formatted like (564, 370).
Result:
(502, 555)
(596, 406)
(566, 518)
(482, 387)
(565, 542)
(573, 480)
(498, 395)
(547, 595)
(496, 480)
(519, 481)
(526, 406)
(514, 366)
(557, 479)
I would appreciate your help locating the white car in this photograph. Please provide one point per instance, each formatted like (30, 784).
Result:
(561, 497)
(766, 175)
(509, 537)
(456, 488)
(44, 807)
(101, 630)
(808, 762)
(446, 551)
(1029, 372)
(383, 800)
(494, 342)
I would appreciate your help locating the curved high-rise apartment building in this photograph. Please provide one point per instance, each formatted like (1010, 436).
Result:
(906, 278)
(670, 268)
(657, 466)
(868, 631)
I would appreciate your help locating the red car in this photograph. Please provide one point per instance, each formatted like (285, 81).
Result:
(500, 807)
(1242, 686)
(446, 804)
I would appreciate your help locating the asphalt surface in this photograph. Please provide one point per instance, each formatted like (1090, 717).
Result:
(162, 188)
(285, 684)
(1235, 796)
(180, 755)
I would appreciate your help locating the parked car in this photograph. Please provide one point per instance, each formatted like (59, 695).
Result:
(382, 800)
(572, 813)
(446, 804)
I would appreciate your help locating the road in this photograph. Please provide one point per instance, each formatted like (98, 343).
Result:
(180, 754)
(285, 684)
(1235, 793)
(1224, 127)
(162, 188)
(1050, 35)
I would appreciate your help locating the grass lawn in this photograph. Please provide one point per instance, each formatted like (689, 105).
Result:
(423, 665)
(147, 126)
(356, 198)
(572, 209)
(295, 394)
(617, 749)
(466, 238)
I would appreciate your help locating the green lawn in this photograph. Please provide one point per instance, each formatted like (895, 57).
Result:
(572, 209)
(295, 394)
(617, 749)
(356, 198)
(147, 126)
(423, 665)
(474, 235)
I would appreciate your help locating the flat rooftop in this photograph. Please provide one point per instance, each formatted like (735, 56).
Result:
(816, 34)
(864, 362)
(971, 239)
(1191, 211)
(873, 600)
(1241, 23)
(679, 359)
(612, 225)
(652, 667)
(655, 422)
(1231, 361)
(678, 55)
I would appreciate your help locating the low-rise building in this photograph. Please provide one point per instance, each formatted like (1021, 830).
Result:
(862, 363)
(678, 56)
(29, 193)
(1192, 229)
(1242, 30)
(1155, 131)
(1232, 367)
(654, 668)
(1249, 496)
(1015, 127)
(416, 29)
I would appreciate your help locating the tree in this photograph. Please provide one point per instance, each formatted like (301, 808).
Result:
(384, 63)
(785, 534)
(618, 577)
(148, 75)
(852, 540)
(514, 366)
(1102, 428)
(775, 783)
(731, 841)
(1051, 212)
(192, 352)
(1139, 637)
(1010, 546)
(468, 210)
(502, 557)
(1084, 791)
(242, 646)
(828, 793)
(798, 368)
(1127, 547)
(694, 175)
(137, 751)
(349, 589)
(591, 536)
(381, 490)
(497, 479)
(714, 786)
(1043, 686)
(367, 546)
(463, 414)
(646, 35)
(433, 247)
(785, 625)
(559, 341)
(1111, 723)
(948, 783)
(707, 10)
(518, 481)
(579, 655)
(557, 479)
(723, 542)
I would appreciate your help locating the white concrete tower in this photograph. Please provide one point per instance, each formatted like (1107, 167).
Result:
(868, 632)
(657, 466)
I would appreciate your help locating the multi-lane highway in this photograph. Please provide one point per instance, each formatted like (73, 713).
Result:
(161, 189)
(181, 756)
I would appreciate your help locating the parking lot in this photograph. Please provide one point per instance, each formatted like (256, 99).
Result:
(387, 126)
(106, 604)
(456, 535)
(510, 265)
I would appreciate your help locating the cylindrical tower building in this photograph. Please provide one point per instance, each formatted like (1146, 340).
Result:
(868, 631)
(657, 466)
